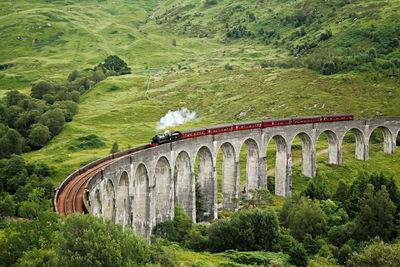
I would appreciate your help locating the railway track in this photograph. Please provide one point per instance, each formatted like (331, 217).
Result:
(70, 196)
(70, 199)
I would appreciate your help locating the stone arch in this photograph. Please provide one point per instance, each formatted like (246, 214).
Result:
(389, 142)
(96, 204)
(360, 153)
(122, 200)
(334, 148)
(252, 165)
(397, 138)
(283, 179)
(109, 201)
(307, 154)
(184, 183)
(140, 211)
(164, 190)
(230, 177)
(207, 185)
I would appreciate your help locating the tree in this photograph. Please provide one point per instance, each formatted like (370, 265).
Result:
(36, 204)
(316, 189)
(256, 198)
(73, 76)
(198, 238)
(252, 229)
(359, 186)
(376, 254)
(54, 120)
(344, 253)
(39, 136)
(176, 230)
(68, 107)
(114, 148)
(7, 205)
(341, 192)
(13, 97)
(220, 235)
(12, 115)
(42, 88)
(88, 241)
(75, 96)
(38, 257)
(21, 236)
(298, 255)
(113, 65)
(305, 217)
(11, 143)
(376, 215)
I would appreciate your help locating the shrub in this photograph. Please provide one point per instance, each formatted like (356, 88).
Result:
(54, 120)
(86, 240)
(39, 136)
(376, 254)
(228, 66)
(113, 65)
(298, 255)
(42, 88)
(176, 230)
(114, 148)
(252, 229)
(198, 238)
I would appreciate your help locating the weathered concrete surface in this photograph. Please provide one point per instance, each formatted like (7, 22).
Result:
(141, 189)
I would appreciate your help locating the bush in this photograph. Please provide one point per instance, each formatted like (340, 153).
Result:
(39, 136)
(317, 188)
(42, 88)
(113, 65)
(228, 66)
(54, 120)
(376, 254)
(208, 3)
(252, 229)
(303, 216)
(198, 238)
(298, 255)
(7, 205)
(87, 241)
(114, 148)
(11, 143)
(176, 230)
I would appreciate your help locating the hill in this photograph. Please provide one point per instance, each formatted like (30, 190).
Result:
(219, 58)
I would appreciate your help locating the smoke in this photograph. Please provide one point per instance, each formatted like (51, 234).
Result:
(173, 118)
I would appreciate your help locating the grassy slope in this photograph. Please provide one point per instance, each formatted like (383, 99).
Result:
(80, 34)
(91, 30)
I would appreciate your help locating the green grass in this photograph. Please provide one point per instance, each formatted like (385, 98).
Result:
(190, 75)
(46, 40)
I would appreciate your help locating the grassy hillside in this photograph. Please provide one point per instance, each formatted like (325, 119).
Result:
(205, 56)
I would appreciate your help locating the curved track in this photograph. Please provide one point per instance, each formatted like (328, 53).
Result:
(70, 196)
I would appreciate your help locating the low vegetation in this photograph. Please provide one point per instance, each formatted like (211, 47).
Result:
(343, 227)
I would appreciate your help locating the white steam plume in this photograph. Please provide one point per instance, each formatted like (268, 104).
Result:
(173, 118)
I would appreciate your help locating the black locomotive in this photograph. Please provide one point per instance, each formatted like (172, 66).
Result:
(165, 138)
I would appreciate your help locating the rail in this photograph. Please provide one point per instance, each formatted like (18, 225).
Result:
(77, 182)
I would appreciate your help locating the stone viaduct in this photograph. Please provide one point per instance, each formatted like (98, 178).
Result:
(141, 189)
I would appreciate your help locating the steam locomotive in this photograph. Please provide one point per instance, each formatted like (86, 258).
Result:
(193, 133)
